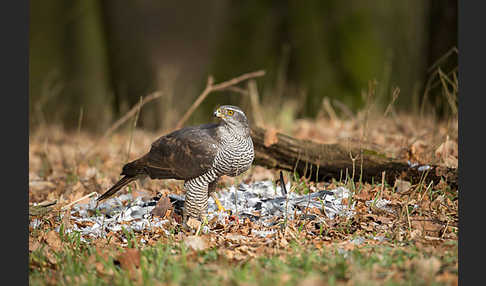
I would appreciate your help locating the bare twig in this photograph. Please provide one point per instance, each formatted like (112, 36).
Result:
(442, 58)
(78, 200)
(396, 92)
(284, 189)
(408, 220)
(380, 192)
(133, 128)
(326, 104)
(211, 87)
(237, 90)
(344, 109)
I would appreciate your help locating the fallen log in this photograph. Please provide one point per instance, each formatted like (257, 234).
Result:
(322, 162)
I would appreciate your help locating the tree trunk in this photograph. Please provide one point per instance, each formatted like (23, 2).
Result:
(325, 161)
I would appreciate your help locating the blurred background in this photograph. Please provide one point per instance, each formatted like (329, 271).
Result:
(95, 59)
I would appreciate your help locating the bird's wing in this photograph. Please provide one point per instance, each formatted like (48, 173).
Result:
(183, 154)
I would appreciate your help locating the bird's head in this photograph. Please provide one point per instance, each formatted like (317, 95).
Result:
(232, 115)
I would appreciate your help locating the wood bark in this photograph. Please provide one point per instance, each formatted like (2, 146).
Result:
(322, 162)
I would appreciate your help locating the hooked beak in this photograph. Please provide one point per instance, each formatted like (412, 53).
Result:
(218, 113)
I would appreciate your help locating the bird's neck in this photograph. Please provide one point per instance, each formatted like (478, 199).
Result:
(239, 132)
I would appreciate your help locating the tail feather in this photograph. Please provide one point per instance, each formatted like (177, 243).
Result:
(116, 187)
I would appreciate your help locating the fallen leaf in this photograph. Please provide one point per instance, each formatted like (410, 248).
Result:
(99, 265)
(130, 259)
(37, 186)
(402, 186)
(447, 148)
(33, 244)
(233, 255)
(283, 242)
(229, 254)
(100, 268)
(348, 245)
(451, 161)
(235, 238)
(196, 242)
(177, 217)
(161, 208)
(66, 219)
(447, 278)
(48, 252)
(53, 240)
(426, 226)
(417, 151)
(77, 192)
(193, 223)
(416, 233)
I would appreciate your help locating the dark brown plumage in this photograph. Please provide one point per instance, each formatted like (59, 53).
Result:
(182, 154)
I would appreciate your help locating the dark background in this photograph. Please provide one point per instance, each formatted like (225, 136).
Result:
(98, 57)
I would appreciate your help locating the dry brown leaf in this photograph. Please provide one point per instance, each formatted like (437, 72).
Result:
(77, 192)
(364, 195)
(229, 254)
(451, 162)
(99, 266)
(348, 245)
(33, 244)
(426, 226)
(416, 233)
(418, 150)
(53, 240)
(52, 196)
(50, 255)
(233, 255)
(193, 223)
(129, 259)
(37, 186)
(447, 148)
(235, 238)
(161, 208)
(270, 137)
(447, 278)
(66, 219)
(402, 186)
(196, 243)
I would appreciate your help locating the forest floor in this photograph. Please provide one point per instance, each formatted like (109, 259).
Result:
(414, 241)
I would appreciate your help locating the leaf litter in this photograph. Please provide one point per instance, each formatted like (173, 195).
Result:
(262, 221)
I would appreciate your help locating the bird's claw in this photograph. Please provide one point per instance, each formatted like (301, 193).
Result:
(220, 206)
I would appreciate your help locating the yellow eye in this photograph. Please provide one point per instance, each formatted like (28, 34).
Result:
(230, 112)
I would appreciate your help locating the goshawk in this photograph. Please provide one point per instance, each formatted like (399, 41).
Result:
(199, 155)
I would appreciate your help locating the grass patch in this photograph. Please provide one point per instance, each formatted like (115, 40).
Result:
(173, 263)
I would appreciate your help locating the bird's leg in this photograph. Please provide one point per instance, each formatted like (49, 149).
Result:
(212, 193)
(196, 201)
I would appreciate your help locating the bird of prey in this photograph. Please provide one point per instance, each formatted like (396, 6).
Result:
(199, 155)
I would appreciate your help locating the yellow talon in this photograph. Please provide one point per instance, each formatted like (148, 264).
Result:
(218, 203)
